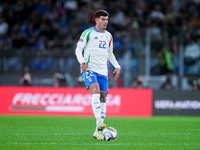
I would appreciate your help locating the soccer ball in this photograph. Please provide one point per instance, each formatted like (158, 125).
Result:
(110, 134)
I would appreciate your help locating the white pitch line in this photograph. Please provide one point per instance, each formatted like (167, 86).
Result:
(22, 134)
(19, 143)
(179, 133)
(136, 134)
(156, 133)
(110, 143)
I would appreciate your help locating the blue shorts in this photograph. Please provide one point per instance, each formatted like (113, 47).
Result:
(91, 77)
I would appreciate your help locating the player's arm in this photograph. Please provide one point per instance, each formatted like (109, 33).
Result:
(79, 49)
(113, 61)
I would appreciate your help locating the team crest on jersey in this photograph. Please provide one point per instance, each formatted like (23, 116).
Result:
(90, 79)
(81, 40)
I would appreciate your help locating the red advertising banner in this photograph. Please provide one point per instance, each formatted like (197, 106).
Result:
(72, 101)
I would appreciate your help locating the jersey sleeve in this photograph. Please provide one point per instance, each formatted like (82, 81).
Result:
(80, 47)
(111, 56)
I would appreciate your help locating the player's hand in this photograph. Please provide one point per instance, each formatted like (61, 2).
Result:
(117, 71)
(83, 67)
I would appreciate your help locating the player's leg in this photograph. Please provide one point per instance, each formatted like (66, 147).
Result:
(90, 79)
(103, 85)
(103, 95)
(92, 84)
(96, 106)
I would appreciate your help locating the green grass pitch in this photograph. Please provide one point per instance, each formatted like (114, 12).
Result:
(65, 133)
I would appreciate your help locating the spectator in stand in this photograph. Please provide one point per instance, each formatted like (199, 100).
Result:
(19, 10)
(3, 26)
(192, 55)
(195, 21)
(118, 44)
(157, 13)
(45, 19)
(168, 15)
(25, 80)
(19, 41)
(40, 43)
(15, 30)
(35, 18)
(43, 7)
(156, 35)
(54, 30)
(196, 84)
(175, 45)
(11, 18)
(59, 80)
(5, 43)
(139, 83)
(172, 28)
(91, 15)
(53, 14)
(30, 33)
(166, 64)
(17, 37)
(71, 6)
(44, 30)
(28, 9)
(119, 19)
(119, 48)
(61, 36)
(184, 12)
(167, 85)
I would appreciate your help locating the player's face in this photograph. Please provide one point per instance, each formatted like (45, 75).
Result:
(102, 22)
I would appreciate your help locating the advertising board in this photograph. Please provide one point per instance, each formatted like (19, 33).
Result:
(178, 103)
(72, 101)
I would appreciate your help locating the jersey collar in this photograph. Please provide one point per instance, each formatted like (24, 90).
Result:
(97, 30)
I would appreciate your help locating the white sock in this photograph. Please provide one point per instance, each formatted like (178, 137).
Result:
(96, 106)
(103, 111)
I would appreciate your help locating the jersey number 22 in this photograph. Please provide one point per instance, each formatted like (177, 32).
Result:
(102, 44)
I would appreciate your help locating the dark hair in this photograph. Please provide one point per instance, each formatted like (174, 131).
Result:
(99, 13)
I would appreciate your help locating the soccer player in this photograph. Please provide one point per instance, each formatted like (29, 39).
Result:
(97, 44)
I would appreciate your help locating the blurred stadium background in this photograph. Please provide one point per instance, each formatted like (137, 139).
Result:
(157, 44)
(155, 41)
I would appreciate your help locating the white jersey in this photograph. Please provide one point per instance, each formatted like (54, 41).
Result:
(98, 48)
